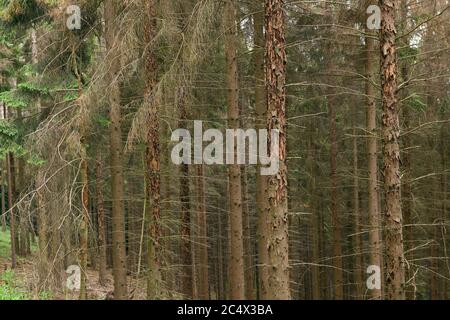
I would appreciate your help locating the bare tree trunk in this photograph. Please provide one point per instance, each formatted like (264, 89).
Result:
(236, 260)
(395, 269)
(42, 230)
(117, 214)
(248, 271)
(84, 171)
(221, 289)
(373, 214)
(153, 158)
(203, 275)
(3, 198)
(261, 181)
(335, 217)
(407, 196)
(336, 220)
(101, 223)
(11, 197)
(445, 264)
(358, 272)
(186, 244)
(84, 225)
(23, 229)
(277, 240)
(315, 217)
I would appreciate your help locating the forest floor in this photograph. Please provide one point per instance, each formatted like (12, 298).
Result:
(20, 283)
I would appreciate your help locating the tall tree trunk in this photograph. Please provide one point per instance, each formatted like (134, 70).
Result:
(11, 199)
(221, 289)
(203, 275)
(336, 219)
(23, 248)
(248, 248)
(357, 241)
(236, 265)
(186, 244)
(84, 225)
(277, 239)
(117, 214)
(84, 172)
(407, 196)
(373, 214)
(395, 269)
(42, 230)
(315, 217)
(443, 148)
(153, 157)
(101, 223)
(3, 197)
(261, 119)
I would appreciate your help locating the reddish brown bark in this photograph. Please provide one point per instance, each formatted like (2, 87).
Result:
(153, 156)
(395, 269)
(261, 119)
(277, 240)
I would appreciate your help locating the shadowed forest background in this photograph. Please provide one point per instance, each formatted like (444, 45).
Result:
(89, 190)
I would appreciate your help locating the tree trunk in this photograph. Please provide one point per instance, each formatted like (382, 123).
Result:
(203, 276)
(153, 157)
(84, 225)
(443, 148)
(336, 220)
(373, 214)
(84, 172)
(236, 260)
(117, 214)
(315, 217)
(248, 271)
(277, 240)
(221, 289)
(23, 249)
(11, 199)
(395, 269)
(407, 195)
(186, 244)
(357, 240)
(101, 224)
(261, 119)
(42, 230)
(3, 198)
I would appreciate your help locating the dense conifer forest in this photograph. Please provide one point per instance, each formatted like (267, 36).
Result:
(224, 149)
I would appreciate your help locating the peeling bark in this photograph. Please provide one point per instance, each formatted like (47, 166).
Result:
(395, 269)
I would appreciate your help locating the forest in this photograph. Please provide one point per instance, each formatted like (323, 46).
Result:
(224, 149)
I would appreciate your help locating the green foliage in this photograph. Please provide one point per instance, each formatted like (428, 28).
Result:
(8, 137)
(45, 295)
(7, 130)
(35, 160)
(102, 121)
(417, 103)
(70, 96)
(10, 288)
(5, 244)
(21, 11)
(13, 99)
(32, 88)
